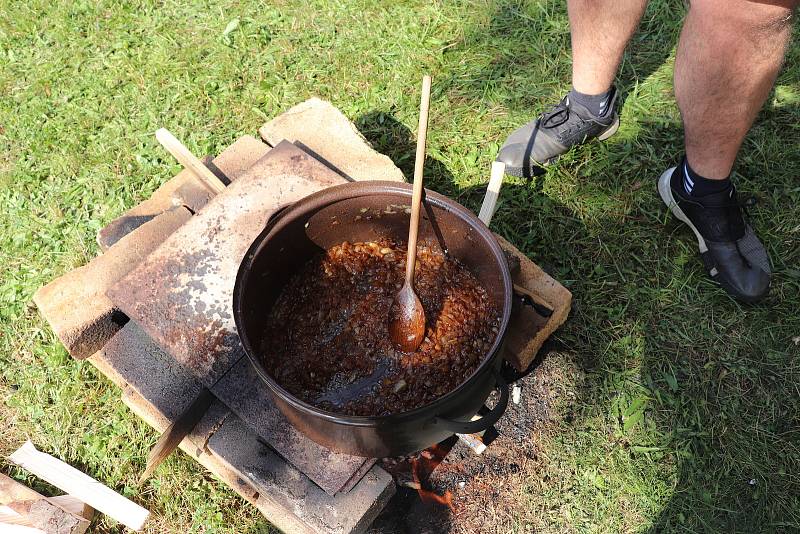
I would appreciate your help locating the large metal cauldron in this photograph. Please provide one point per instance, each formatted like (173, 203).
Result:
(361, 211)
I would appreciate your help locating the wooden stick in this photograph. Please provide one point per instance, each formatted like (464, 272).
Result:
(419, 165)
(492, 192)
(26, 507)
(186, 422)
(82, 486)
(175, 433)
(189, 161)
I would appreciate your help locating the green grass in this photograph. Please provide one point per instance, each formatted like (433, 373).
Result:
(680, 409)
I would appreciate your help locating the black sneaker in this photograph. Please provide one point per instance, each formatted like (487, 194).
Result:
(732, 253)
(542, 140)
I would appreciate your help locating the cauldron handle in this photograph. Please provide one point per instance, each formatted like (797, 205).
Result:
(479, 425)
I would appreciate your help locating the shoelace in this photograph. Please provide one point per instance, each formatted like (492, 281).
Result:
(561, 110)
(559, 115)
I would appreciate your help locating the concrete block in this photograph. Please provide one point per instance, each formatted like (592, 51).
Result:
(527, 330)
(323, 131)
(157, 390)
(184, 189)
(75, 304)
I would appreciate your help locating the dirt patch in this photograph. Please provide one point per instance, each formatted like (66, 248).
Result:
(487, 491)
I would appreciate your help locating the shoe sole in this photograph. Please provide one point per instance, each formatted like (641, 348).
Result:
(611, 129)
(665, 191)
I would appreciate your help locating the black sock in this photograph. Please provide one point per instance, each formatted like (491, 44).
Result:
(597, 105)
(699, 186)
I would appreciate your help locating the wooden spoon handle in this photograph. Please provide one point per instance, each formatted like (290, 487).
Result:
(419, 164)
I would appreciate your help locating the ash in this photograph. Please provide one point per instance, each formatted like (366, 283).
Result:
(487, 490)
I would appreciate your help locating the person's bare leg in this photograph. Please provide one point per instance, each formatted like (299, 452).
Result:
(600, 30)
(729, 55)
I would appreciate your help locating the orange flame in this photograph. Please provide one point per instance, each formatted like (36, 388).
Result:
(426, 496)
(429, 497)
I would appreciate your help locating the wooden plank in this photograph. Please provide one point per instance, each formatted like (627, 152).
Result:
(25, 506)
(82, 486)
(11, 528)
(69, 503)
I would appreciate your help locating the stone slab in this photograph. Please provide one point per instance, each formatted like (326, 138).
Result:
(75, 304)
(527, 330)
(184, 189)
(322, 130)
(245, 394)
(344, 512)
(137, 365)
(182, 294)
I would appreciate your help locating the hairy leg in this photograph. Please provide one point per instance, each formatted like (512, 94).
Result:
(729, 55)
(600, 31)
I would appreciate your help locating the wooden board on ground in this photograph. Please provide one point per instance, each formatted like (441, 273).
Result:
(36, 511)
(81, 485)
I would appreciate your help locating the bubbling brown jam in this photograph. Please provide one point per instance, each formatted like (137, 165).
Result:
(327, 341)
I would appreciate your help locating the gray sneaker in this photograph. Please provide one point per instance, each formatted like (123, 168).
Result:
(733, 255)
(544, 139)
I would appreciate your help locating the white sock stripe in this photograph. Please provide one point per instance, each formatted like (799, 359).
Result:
(686, 175)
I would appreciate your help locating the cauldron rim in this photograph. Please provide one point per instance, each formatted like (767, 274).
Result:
(346, 191)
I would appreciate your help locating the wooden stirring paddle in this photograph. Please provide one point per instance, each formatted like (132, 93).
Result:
(406, 316)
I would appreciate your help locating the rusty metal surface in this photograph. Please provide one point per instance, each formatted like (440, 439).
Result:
(181, 295)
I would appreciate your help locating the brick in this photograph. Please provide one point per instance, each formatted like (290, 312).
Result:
(324, 132)
(75, 304)
(528, 330)
(184, 189)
